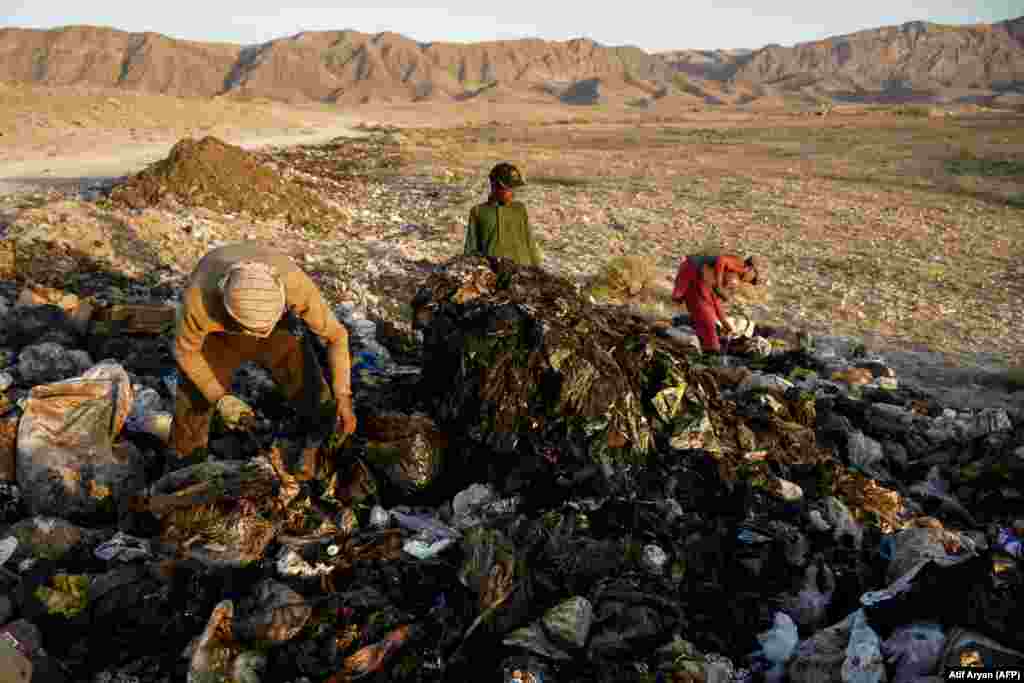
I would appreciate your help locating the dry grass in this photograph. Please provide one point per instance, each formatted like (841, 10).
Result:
(624, 278)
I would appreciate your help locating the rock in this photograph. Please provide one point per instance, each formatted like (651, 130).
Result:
(274, 613)
(50, 362)
(569, 622)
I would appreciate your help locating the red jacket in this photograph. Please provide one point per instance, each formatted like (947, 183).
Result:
(691, 274)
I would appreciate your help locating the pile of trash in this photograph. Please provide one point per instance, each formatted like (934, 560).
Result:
(224, 178)
(557, 492)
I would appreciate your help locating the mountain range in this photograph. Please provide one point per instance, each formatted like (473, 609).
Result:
(916, 61)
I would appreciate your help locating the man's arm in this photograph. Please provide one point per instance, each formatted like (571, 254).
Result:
(682, 283)
(472, 245)
(189, 335)
(726, 263)
(309, 304)
(531, 245)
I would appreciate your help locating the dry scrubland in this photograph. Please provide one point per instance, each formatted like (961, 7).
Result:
(901, 229)
(886, 223)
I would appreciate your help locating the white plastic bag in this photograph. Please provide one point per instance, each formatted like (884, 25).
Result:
(778, 645)
(863, 663)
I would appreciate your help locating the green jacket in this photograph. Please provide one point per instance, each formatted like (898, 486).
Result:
(495, 230)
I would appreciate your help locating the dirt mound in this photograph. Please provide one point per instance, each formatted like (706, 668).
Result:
(213, 174)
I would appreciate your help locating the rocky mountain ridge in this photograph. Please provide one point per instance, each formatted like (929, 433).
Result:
(917, 60)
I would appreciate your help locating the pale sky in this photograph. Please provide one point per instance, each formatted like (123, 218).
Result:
(653, 25)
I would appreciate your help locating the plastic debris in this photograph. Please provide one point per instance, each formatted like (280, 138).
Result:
(379, 517)
(124, 548)
(653, 559)
(914, 651)
(864, 662)
(569, 622)
(777, 645)
(290, 563)
(69, 595)
(7, 547)
(1010, 543)
(424, 549)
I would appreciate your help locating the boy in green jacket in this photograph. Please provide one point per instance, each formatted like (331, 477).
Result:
(500, 226)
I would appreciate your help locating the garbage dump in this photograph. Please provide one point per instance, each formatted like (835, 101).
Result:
(559, 491)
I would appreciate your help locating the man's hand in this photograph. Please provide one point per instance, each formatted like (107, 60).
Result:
(346, 418)
(234, 412)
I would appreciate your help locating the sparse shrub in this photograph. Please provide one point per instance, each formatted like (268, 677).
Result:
(560, 180)
(967, 163)
(914, 111)
(625, 277)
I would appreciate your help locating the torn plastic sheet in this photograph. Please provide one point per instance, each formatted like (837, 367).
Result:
(124, 548)
(425, 526)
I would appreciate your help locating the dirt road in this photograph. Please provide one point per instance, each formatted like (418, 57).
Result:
(125, 157)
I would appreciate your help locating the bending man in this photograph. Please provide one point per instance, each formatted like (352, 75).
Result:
(699, 284)
(230, 314)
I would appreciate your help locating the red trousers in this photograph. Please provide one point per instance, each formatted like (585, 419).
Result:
(701, 302)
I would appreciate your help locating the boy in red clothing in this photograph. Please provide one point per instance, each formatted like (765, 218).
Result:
(699, 283)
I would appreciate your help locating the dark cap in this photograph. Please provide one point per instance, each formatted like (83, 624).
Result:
(506, 175)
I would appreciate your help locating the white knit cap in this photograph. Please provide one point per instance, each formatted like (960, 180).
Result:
(253, 296)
